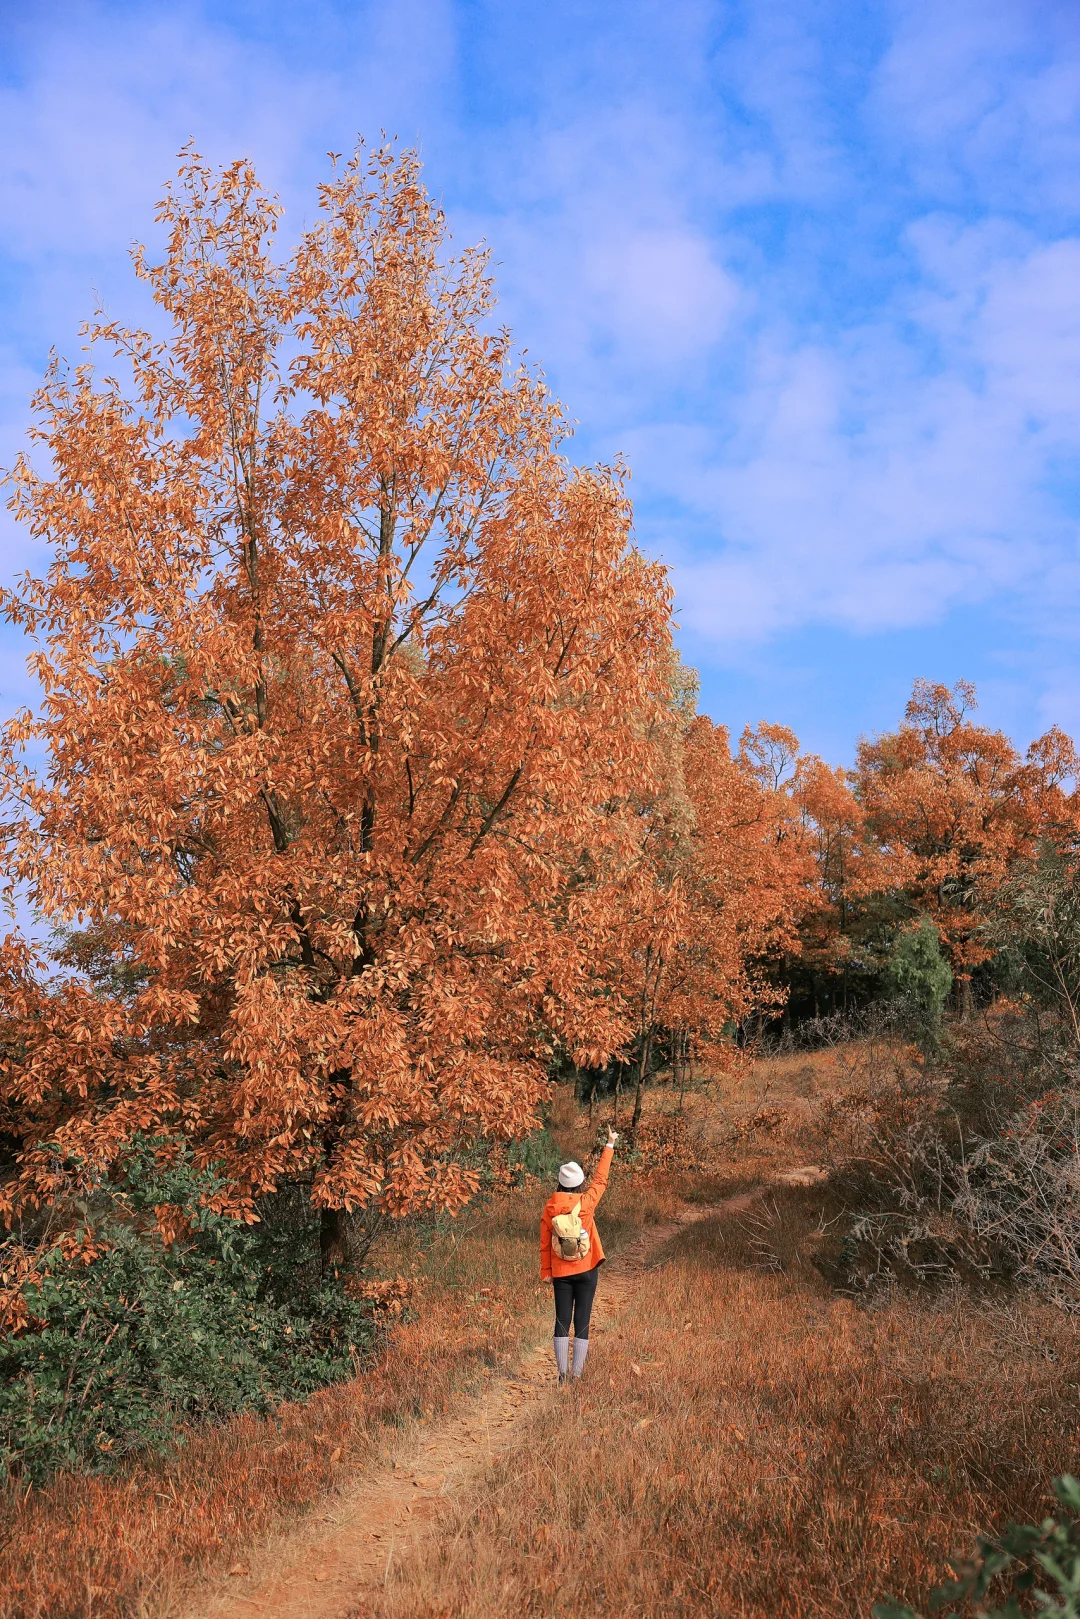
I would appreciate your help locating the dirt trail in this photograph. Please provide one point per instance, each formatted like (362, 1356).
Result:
(324, 1568)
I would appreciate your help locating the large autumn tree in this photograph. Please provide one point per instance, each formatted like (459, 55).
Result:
(347, 680)
(948, 806)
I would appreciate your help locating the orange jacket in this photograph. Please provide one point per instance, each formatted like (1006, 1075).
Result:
(562, 1203)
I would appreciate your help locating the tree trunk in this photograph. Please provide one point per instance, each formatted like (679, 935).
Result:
(965, 1000)
(643, 1066)
(333, 1240)
(683, 1048)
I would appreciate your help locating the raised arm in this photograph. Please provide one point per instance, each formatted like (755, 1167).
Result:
(598, 1184)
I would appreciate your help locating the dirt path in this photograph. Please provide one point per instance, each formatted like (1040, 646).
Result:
(324, 1567)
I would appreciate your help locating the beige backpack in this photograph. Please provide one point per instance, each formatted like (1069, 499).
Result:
(569, 1239)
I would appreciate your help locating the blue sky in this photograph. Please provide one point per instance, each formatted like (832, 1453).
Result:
(813, 268)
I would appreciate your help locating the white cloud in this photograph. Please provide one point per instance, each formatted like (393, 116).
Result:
(882, 478)
(658, 292)
(601, 224)
(107, 96)
(985, 94)
(666, 218)
(98, 124)
(96, 109)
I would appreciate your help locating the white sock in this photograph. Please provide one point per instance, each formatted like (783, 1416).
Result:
(581, 1349)
(562, 1355)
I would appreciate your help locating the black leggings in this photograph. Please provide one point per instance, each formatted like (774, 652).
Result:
(573, 1299)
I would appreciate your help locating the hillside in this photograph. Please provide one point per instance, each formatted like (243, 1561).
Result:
(745, 1440)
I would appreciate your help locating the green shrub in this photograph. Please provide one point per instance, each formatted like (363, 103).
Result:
(122, 1353)
(1036, 1566)
(918, 973)
(536, 1154)
(1036, 929)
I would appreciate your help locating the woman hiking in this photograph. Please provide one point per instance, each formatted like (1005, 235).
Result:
(571, 1255)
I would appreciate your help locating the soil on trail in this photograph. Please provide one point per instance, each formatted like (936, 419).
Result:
(345, 1549)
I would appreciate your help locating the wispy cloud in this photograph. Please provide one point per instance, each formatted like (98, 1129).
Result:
(866, 409)
(813, 270)
(879, 477)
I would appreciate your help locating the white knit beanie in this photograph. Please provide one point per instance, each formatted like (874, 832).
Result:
(571, 1175)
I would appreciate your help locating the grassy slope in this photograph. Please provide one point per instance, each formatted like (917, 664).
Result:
(120, 1545)
(778, 1452)
(111, 1545)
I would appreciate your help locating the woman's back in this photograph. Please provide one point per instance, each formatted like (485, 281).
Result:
(564, 1203)
(574, 1278)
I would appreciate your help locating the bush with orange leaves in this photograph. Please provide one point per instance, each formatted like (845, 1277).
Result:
(949, 808)
(388, 1296)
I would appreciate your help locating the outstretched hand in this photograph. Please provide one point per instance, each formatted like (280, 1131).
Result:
(612, 1137)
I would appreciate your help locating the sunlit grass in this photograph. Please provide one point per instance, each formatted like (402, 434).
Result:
(747, 1444)
(124, 1544)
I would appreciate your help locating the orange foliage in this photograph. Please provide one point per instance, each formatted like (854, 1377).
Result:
(348, 682)
(753, 865)
(724, 875)
(949, 805)
(833, 824)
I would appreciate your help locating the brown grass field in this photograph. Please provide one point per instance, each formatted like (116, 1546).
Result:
(125, 1544)
(744, 1442)
(781, 1453)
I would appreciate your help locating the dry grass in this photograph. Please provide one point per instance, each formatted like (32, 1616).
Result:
(776, 1453)
(110, 1547)
(746, 1444)
(116, 1545)
(770, 1111)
